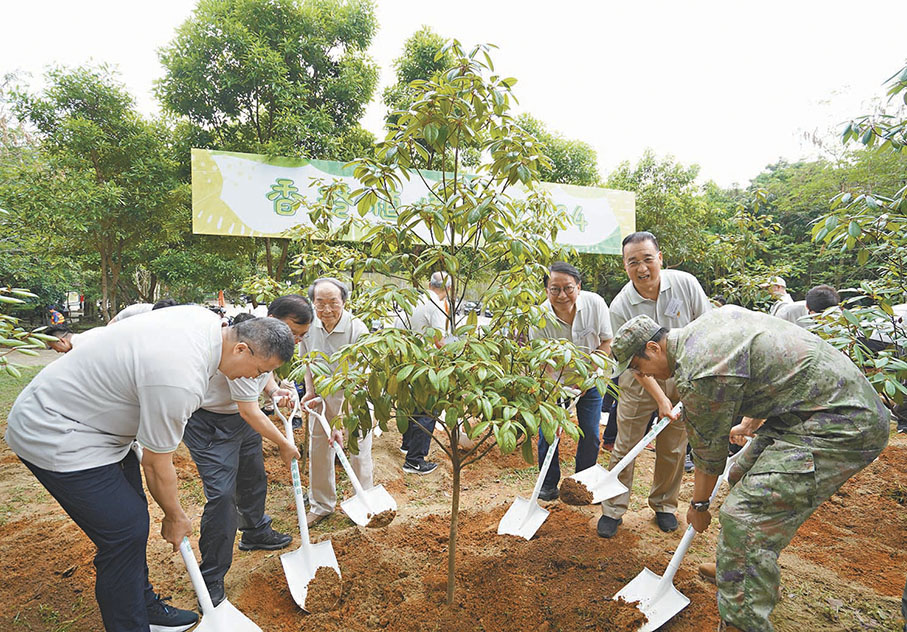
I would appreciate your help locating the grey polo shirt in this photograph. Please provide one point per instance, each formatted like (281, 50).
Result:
(680, 301)
(591, 325)
(347, 331)
(138, 381)
(223, 394)
(429, 313)
(795, 313)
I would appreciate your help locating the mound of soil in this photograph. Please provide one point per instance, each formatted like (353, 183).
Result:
(396, 579)
(324, 590)
(575, 493)
(382, 519)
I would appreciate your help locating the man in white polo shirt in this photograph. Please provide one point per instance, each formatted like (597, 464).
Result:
(334, 327)
(581, 317)
(672, 299)
(74, 424)
(224, 437)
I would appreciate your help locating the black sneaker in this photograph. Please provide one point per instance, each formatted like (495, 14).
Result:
(902, 429)
(688, 465)
(423, 467)
(216, 592)
(607, 527)
(271, 540)
(164, 618)
(548, 493)
(296, 422)
(667, 522)
(403, 450)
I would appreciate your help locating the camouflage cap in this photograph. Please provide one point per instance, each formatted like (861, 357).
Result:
(630, 339)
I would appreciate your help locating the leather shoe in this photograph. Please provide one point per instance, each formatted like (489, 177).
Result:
(708, 571)
(667, 522)
(548, 493)
(607, 526)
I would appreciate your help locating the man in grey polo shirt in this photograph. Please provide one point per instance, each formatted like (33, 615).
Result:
(224, 438)
(673, 299)
(582, 318)
(74, 424)
(334, 327)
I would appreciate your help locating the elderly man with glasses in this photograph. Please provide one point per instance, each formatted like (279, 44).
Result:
(672, 299)
(581, 317)
(334, 327)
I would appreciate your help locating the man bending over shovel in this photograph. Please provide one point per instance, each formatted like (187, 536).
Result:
(74, 424)
(823, 424)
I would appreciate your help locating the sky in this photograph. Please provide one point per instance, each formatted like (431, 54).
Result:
(729, 85)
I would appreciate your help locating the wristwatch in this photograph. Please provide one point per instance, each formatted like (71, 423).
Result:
(700, 506)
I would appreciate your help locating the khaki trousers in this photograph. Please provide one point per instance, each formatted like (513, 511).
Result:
(634, 409)
(322, 486)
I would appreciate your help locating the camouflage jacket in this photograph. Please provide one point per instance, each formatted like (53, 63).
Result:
(733, 362)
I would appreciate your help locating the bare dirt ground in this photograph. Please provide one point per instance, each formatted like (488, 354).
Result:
(845, 570)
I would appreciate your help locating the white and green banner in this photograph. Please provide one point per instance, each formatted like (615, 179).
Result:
(248, 195)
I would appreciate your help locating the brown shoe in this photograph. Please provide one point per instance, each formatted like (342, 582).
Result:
(707, 571)
(311, 519)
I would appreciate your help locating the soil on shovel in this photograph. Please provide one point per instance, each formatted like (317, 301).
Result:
(324, 590)
(575, 493)
(382, 519)
(623, 616)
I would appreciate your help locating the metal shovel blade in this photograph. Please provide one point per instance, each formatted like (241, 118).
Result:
(602, 483)
(658, 608)
(523, 519)
(300, 571)
(360, 510)
(226, 618)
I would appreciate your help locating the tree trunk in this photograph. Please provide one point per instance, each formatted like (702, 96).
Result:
(105, 309)
(454, 511)
(284, 249)
(268, 257)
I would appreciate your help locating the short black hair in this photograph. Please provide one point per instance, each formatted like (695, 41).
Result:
(268, 336)
(821, 298)
(720, 299)
(564, 268)
(293, 306)
(656, 337)
(242, 316)
(638, 236)
(344, 291)
(164, 302)
(57, 330)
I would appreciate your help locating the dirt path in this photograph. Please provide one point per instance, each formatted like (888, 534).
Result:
(844, 571)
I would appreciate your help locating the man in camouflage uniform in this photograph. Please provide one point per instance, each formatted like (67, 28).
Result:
(823, 424)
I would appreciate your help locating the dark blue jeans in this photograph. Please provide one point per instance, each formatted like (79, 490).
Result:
(417, 438)
(109, 505)
(588, 414)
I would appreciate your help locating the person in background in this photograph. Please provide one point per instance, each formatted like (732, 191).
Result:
(777, 287)
(817, 300)
(141, 308)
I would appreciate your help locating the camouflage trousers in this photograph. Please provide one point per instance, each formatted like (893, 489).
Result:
(790, 468)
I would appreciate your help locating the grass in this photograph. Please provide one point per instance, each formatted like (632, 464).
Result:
(10, 387)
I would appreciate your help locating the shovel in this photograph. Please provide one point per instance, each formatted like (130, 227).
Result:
(300, 565)
(525, 517)
(658, 599)
(373, 507)
(221, 618)
(602, 483)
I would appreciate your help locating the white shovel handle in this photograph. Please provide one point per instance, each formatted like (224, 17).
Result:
(668, 579)
(657, 427)
(357, 486)
(297, 483)
(195, 575)
(549, 456)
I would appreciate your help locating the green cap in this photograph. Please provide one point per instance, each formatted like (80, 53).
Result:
(630, 340)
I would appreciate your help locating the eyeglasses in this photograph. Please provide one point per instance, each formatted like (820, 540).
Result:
(568, 290)
(320, 306)
(633, 263)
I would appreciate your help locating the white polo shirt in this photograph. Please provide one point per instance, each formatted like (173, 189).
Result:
(223, 394)
(138, 381)
(680, 301)
(347, 331)
(429, 313)
(132, 310)
(591, 325)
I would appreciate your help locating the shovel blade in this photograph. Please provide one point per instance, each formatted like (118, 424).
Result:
(523, 519)
(300, 571)
(602, 483)
(226, 618)
(658, 608)
(377, 499)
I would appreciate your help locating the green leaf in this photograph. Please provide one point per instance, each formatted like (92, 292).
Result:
(853, 229)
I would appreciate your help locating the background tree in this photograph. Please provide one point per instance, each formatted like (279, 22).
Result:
(276, 77)
(104, 182)
(500, 388)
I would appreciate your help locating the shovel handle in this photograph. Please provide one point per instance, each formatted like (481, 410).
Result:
(297, 482)
(549, 456)
(668, 578)
(657, 427)
(348, 468)
(195, 575)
